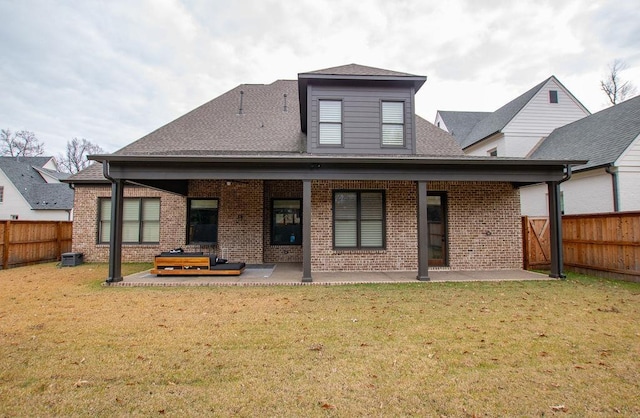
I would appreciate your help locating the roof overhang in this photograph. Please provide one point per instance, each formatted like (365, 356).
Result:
(155, 170)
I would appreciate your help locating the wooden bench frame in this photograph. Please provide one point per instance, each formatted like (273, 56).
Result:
(192, 265)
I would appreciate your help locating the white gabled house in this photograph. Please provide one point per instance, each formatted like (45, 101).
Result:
(517, 127)
(610, 181)
(30, 189)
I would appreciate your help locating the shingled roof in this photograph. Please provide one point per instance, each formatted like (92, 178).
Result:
(23, 173)
(263, 126)
(460, 124)
(249, 118)
(600, 138)
(361, 70)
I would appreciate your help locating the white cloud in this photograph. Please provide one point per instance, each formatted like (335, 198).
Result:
(114, 71)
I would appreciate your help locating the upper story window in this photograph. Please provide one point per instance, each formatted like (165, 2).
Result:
(1, 194)
(393, 124)
(553, 96)
(330, 122)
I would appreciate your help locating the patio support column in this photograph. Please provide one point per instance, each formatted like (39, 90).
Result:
(555, 225)
(115, 244)
(306, 231)
(423, 232)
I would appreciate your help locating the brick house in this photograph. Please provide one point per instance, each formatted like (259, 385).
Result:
(333, 170)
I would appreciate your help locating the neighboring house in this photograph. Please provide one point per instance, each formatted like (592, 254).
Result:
(517, 127)
(333, 170)
(30, 189)
(610, 181)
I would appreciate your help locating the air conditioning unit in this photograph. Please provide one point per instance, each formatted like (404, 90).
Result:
(71, 259)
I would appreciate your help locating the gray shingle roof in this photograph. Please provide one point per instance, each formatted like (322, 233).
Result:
(600, 138)
(218, 125)
(496, 121)
(460, 124)
(36, 191)
(91, 174)
(431, 140)
(361, 70)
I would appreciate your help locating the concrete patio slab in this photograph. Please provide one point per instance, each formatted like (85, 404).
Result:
(290, 274)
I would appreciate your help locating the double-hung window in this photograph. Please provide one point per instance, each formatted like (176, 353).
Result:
(203, 221)
(330, 122)
(140, 220)
(358, 219)
(393, 124)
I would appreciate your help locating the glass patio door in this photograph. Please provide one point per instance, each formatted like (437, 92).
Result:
(437, 225)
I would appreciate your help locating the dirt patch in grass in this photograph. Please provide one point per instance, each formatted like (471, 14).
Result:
(71, 347)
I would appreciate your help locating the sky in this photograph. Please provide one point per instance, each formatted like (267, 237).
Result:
(112, 71)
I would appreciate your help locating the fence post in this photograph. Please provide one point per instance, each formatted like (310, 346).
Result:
(7, 241)
(59, 240)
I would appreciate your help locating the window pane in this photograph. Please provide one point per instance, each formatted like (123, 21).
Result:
(393, 134)
(392, 112)
(151, 210)
(346, 234)
(371, 206)
(130, 231)
(286, 223)
(203, 220)
(330, 134)
(105, 231)
(346, 206)
(131, 210)
(105, 209)
(330, 111)
(371, 234)
(204, 204)
(151, 231)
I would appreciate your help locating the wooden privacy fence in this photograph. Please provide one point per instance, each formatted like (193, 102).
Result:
(607, 242)
(29, 242)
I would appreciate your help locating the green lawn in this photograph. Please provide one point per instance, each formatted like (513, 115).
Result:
(546, 348)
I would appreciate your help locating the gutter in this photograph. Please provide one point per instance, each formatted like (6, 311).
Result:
(567, 174)
(616, 190)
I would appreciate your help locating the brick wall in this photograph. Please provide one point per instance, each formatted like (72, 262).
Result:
(280, 190)
(401, 253)
(483, 224)
(240, 219)
(483, 227)
(85, 223)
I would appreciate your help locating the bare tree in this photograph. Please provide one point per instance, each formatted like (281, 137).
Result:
(613, 86)
(75, 157)
(20, 144)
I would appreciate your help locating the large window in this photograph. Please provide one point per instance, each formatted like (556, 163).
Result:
(358, 220)
(393, 124)
(203, 221)
(140, 220)
(286, 226)
(330, 122)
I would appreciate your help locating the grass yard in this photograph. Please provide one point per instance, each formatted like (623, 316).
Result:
(71, 347)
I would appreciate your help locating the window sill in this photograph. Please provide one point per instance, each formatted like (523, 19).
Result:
(337, 251)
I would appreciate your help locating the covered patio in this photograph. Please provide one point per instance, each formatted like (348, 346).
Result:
(288, 274)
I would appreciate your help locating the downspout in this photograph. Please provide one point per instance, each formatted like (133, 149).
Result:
(555, 223)
(616, 189)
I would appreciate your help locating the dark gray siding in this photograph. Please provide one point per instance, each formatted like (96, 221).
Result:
(360, 118)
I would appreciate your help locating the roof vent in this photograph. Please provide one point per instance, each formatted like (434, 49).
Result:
(285, 102)
(240, 108)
